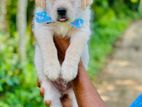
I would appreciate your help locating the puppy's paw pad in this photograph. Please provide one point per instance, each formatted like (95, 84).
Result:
(68, 72)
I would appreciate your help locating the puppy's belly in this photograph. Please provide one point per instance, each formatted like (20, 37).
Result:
(62, 86)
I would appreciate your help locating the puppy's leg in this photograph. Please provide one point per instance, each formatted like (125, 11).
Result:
(85, 57)
(73, 98)
(39, 64)
(44, 37)
(50, 94)
(73, 54)
(39, 68)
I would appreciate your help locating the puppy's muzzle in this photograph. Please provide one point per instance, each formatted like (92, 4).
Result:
(62, 14)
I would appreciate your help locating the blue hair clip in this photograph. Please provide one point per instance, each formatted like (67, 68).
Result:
(43, 17)
(78, 23)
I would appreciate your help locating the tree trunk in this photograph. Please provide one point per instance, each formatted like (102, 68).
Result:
(3, 11)
(21, 27)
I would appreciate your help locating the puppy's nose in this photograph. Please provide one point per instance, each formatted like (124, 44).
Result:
(61, 11)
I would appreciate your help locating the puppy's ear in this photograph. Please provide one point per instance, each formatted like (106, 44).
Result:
(41, 3)
(86, 3)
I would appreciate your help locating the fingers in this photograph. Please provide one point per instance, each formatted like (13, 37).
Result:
(38, 84)
(66, 102)
(41, 91)
(47, 102)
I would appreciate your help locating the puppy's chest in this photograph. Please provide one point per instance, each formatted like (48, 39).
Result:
(63, 29)
(62, 86)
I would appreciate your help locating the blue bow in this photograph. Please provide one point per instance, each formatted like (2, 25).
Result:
(43, 17)
(78, 23)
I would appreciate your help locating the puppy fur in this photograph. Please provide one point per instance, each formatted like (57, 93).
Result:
(46, 59)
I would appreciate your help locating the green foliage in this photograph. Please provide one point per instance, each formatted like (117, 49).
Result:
(109, 25)
(11, 15)
(17, 81)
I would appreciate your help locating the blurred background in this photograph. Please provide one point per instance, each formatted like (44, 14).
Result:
(110, 19)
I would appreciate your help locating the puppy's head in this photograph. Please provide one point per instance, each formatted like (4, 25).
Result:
(66, 10)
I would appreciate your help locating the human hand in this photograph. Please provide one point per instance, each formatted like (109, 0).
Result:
(41, 89)
(65, 99)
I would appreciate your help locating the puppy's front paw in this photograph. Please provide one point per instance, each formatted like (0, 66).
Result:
(52, 71)
(69, 72)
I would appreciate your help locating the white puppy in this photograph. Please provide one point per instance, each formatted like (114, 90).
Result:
(47, 64)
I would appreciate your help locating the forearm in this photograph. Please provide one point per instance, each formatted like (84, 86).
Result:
(86, 93)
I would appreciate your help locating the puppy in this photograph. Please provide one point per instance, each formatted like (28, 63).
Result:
(64, 15)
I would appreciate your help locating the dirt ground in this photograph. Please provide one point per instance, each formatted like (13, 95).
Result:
(121, 80)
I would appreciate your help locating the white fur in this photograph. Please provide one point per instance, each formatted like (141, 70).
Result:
(46, 59)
